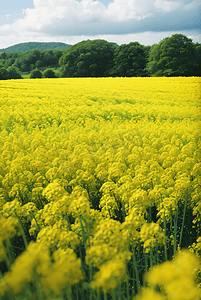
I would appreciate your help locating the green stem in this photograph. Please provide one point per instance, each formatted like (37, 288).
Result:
(119, 292)
(127, 282)
(10, 255)
(99, 295)
(156, 261)
(37, 285)
(165, 232)
(83, 233)
(6, 259)
(77, 295)
(68, 292)
(113, 295)
(175, 235)
(91, 277)
(146, 267)
(151, 257)
(183, 220)
(150, 217)
(136, 273)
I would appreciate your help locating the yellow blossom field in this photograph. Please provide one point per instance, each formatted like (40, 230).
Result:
(100, 184)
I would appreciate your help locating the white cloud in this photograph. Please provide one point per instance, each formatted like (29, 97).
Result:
(60, 20)
(8, 16)
(192, 5)
(128, 10)
(167, 6)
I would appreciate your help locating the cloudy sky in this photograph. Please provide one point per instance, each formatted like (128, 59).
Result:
(120, 21)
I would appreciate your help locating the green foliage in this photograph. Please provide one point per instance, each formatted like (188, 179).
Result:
(13, 73)
(36, 74)
(197, 68)
(3, 73)
(88, 59)
(48, 73)
(24, 47)
(130, 60)
(173, 56)
(30, 60)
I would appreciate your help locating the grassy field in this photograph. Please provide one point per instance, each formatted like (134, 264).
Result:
(100, 183)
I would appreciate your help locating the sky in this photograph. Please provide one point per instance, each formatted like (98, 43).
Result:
(119, 21)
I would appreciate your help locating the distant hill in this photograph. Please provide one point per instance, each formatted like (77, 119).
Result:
(23, 47)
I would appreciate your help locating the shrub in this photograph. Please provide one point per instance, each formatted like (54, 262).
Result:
(48, 73)
(36, 74)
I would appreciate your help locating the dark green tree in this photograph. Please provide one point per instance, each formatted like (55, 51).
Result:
(48, 73)
(56, 56)
(88, 59)
(25, 67)
(130, 60)
(3, 74)
(9, 62)
(32, 56)
(17, 63)
(173, 56)
(39, 64)
(198, 59)
(48, 58)
(14, 73)
(36, 74)
(3, 55)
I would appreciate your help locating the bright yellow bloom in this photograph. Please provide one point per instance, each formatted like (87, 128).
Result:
(22, 269)
(9, 227)
(152, 235)
(66, 269)
(110, 275)
(54, 192)
(177, 278)
(149, 294)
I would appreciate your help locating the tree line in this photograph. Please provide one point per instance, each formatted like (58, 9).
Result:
(173, 56)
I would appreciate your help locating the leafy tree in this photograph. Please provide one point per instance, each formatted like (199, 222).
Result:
(39, 64)
(88, 59)
(36, 74)
(32, 56)
(13, 73)
(3, 55)
(198, 59)
(57, 54)
(9, 62)
(48, 58)
(173, 56)
(130, 60)
(48, 73)
(3, 73)
(25, 67)
(17, 63)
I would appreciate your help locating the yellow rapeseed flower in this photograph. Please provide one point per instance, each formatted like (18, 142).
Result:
(177, 278)
(110, 275)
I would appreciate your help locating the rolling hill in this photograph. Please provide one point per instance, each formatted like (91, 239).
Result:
(23, 47)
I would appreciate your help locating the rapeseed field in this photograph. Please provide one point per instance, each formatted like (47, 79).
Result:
(100, 184)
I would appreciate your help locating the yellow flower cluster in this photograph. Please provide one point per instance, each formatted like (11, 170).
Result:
(107, 242)
(152, 236)
(9, 228)
(100, 172)
(176, 279)
(110, 275)
(36, 264)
